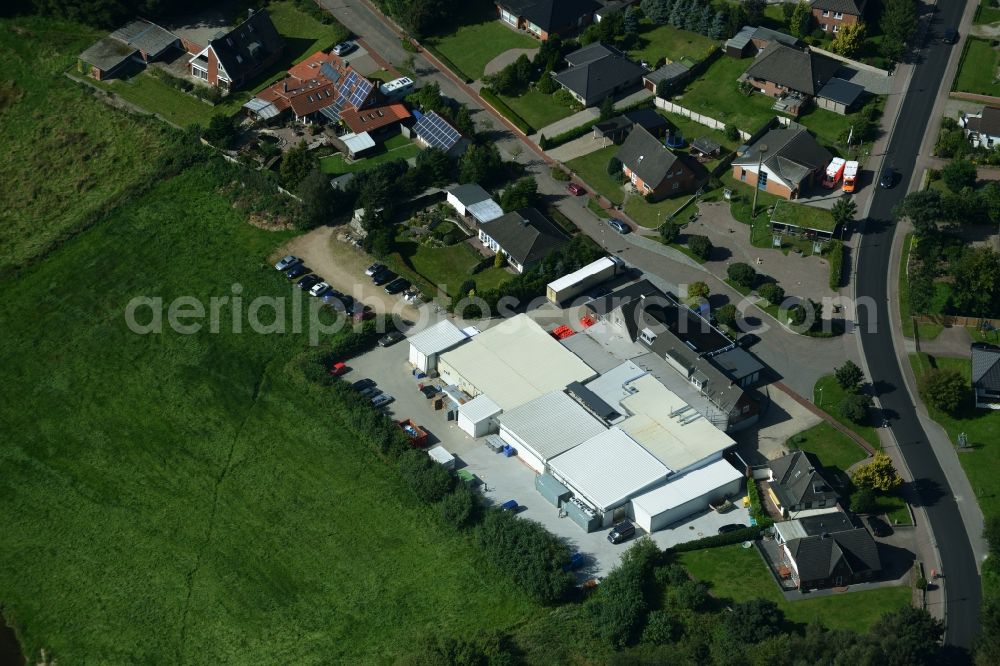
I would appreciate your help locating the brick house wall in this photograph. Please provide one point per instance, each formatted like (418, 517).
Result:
(830, 22)
(672, 185)
(745, 175)
(540, 34)
(772, 89)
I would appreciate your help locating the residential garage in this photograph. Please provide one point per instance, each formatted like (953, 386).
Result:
(686, 495)
(546, 427)
(426, 345)
(606, 471)
(478, 416)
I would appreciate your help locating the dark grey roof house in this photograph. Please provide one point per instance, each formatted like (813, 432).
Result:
(149, 39)
(617, 128)
(525, 237)
(833, 559)
(107, 57)
(792, 159)
(797, 485)
(750, 40)
(986, 375)
(543, 18)
(791, 69)
(652, 167)
(597, 71)
(234, 58)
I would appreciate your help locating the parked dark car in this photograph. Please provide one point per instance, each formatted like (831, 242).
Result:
(510, 505)
(888, 178)
(362, 384)
(748, 340)
(397, 285)
(308, 282)
(373, 269)
(731, 527)
(390, 339)
(618, 225)
(949, 36)
(382, 400)
(287, 262)
(621, 532)
(383, 277)
(879, 527)
(430, 391)
(298, 270)
(371, 391)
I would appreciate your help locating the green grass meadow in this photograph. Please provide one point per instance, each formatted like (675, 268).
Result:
(46, 120)
(666, 41)
(186, 498)
(472, 47)
(978, 69)
(739, 574)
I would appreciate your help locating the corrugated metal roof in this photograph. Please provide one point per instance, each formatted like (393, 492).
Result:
(592, 268)
(485, 211)
(608, 469)
(551, 424)
(440, 455)
(261, 107)
(437, 338)
(516, 361)
(688, 487)
(479, 408)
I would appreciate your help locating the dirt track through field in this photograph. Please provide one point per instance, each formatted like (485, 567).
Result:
(343, 267)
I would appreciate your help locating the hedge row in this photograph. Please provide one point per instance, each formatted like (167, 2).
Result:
(836, 264)
(508, 112)
(716, 540)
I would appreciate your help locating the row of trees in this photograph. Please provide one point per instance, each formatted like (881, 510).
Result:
(716, 21)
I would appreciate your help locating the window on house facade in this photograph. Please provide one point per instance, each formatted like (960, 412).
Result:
(838, 15)
(743, 175)
(676, 185)
(508, 17)
(826, 12)
(822, 27)
(836, 28)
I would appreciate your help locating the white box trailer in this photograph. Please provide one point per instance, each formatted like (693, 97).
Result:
(579, 281)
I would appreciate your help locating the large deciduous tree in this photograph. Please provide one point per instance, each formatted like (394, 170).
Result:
(878, 474)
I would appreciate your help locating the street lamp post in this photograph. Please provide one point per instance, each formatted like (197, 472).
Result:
(760, 162)
(820, 391)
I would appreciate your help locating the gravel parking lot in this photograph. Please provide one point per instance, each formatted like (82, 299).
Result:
(503, 478)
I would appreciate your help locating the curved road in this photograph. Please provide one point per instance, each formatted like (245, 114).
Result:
(962, 586)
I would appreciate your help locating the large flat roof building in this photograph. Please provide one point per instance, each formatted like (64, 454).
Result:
(513, 362)
(686, 495)
(546, 427)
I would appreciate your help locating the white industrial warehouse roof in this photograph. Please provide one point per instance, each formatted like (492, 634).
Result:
(611, 385)
(590, 269)
(668, 427)
(479, 408)
(686, 488)
(437, 338)
(516, 361)
(608, 469)
(551, 424)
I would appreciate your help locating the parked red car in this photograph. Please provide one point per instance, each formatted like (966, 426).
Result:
(338, 369)
(574, 189)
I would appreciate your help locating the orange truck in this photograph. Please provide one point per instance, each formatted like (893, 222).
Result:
(850, 176)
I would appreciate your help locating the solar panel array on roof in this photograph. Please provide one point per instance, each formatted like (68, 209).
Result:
(361, 93)
(329, 71)
(436, 132)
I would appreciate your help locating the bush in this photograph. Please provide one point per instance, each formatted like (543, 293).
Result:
(429, 481)
(943, 389)
(569, 135)
(559, 175)
(459, 507)
(700, 246)
(742, 274)
(669, 232)
(534, 558)
(854, 407)
(661, 628)
(732, 132)
(836, 259)
(863, 501)
(772, 292)
(726, 315)
(716, 540)
(849, 376)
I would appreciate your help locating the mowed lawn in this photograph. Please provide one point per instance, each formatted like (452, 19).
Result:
(65, 153)
(471, 47)
(827, 394)
(186, 498)
(445, 268)
(982, 426)
(739, 574)
(593, 169)
(303, 36)
(716, 93)
(832, 447)
(978, 71)
(396, 148)
(537, 109)
(666, 41)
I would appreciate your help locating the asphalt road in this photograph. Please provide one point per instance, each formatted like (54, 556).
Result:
(958, 563)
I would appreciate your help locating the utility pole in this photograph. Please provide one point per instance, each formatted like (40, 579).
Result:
(760, 162)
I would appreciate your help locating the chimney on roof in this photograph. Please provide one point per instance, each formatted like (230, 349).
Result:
(286, 85)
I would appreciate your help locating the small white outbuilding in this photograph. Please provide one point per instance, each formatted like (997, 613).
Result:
(478, 416)
(426, 345)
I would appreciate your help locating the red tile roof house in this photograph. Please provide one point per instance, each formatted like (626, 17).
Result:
(652, 168)
(232, 60)
(830, 15)
(321, 87)
(542, 18)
